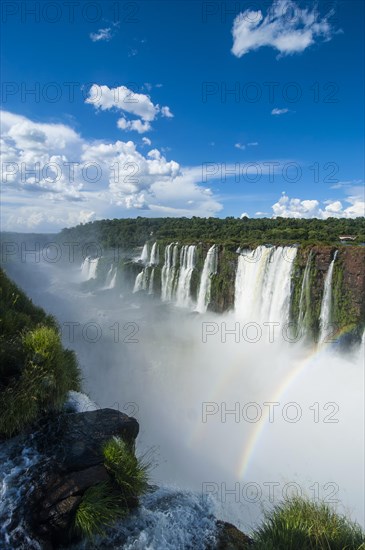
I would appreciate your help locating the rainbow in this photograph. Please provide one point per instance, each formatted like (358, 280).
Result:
(301, 367)
(293, 376)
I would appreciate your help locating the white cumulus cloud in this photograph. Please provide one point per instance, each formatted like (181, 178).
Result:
(286, 28)
(127, 102)
(52, 178)
(311, 208)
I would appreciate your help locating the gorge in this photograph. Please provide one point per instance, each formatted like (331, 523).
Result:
(240, 364)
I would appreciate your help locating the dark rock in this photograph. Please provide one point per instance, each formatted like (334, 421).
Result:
(59, 487)
(231, 538)
(72, 444)
(77, 438)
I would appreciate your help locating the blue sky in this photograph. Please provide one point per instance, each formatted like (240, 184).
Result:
(150, 106)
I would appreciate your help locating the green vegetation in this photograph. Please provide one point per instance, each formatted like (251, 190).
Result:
(36, 372)
(230, 231)
(344, 314)
(100, 506)
(305, 525)
(128, 472)
(104, 503)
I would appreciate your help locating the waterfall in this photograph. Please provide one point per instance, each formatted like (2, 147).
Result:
(326, 306)
(88, 268)
(144, 279)
(209, 268)
(152, 278)
(187, 264)
(144, 256)
(304, 300)
(262, 286)
(141, 282)
(154, 259)
(169, 271)
(111, 278)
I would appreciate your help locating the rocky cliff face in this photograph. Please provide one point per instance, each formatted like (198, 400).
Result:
(223, 282)
(348, 288)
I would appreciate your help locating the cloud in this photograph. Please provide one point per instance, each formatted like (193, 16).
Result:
(298, 208)
(137, 125)
(286, 28)
(277, 111)
(165, 111)
(125, 100)
(242, 146)
(146, 141)
(52, 178)
(102, 35)
(244, 215)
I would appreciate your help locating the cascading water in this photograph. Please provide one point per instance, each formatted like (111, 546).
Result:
(304, 300)
(144, 279)
(88, 268)
(187, 264)
(209, 268)
(151, 283)
(326, 306)
(144, 255)
(169, 272)
(111, 278)
(141, 282)
(154, 258)
(182, 371)
(15, 482)
(262, 288)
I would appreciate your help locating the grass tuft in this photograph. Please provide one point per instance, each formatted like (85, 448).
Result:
(130, 473)
(300, 524)
(100, 506)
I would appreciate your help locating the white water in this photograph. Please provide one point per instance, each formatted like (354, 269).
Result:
(170, 372)
(326, 306)
(168, 519)
(152, 279)
(168, 273)
(88, 268)
(209, 268)
(155, 256)
(15, 462)
(187, 263)
(111, 278)
(144, 255)
(141, 282)
(304, 300)
(262, 288)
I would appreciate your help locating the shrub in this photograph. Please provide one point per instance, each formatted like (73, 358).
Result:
(100, 507)
(130, 473)
(305, 525)
(48, 373)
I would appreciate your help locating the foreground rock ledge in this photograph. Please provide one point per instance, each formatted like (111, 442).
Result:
(74, 442)
(73, 445)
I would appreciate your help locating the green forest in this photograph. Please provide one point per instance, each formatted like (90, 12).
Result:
(229, 231)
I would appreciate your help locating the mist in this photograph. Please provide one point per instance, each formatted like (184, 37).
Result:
(245, 421)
